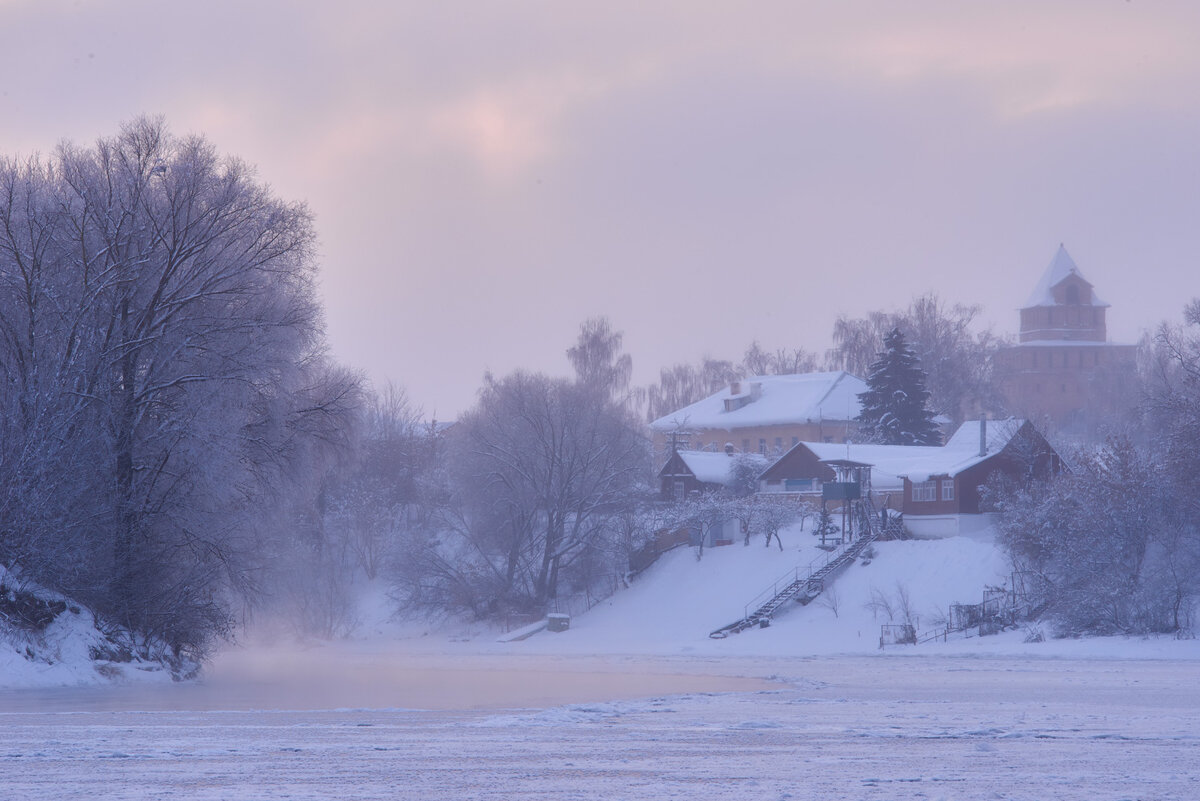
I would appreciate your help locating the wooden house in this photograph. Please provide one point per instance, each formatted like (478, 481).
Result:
(937, 488)
(697, 471)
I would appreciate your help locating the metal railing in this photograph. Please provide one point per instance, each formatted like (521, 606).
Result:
(793, 576)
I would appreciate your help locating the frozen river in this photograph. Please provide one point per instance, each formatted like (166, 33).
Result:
(496, 727)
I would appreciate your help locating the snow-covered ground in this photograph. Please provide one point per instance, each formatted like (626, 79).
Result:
(69, 649)
(635, 701)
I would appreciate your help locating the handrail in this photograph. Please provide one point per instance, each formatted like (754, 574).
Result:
(789, 578)
(762, 606)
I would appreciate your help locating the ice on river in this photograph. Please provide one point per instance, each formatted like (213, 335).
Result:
(887, 726)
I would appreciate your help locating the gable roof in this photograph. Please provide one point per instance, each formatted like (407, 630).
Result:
(961, 451)
(772, 400)
(711, 467)
(891, 464)
(1061, 267)
(888, 462)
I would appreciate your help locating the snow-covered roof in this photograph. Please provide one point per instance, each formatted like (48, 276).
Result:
(1062, 266)
(715, 468)
(961, 451)
(891, 464)
(772, 400)
(888, 462)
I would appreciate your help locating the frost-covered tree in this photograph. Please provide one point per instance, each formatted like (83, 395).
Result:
(894, 407)
(1174, 404)
(758, 361)
(744, 473)
(166, 384)
(1107, 548)
(683, 384)
(541, 474)
(957, 359)
(771, 518)
(599, 361)
(704, 513)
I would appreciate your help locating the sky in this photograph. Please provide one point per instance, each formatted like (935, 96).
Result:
(486, 176)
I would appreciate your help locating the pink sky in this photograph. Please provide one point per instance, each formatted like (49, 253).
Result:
(487, 175)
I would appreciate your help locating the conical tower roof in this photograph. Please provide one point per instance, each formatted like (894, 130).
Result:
(1062, 266)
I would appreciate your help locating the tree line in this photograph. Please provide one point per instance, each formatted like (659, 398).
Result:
(955, 357)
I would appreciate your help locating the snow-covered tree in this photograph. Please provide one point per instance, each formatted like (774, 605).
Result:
(1175, 404)
(772, 517)
(758, 361)
(683, 384)
(1106, 549)
(744, 473)
(894, 407)
(540, 475)
(166, 388)
(956, 359)
(599, 361)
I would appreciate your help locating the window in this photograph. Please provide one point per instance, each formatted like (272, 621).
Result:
(795, 441)
(762, 446)
(1073, 295)
(680, 491)
(924, 491)
(745, 446)
(947, 489)
(779, 444)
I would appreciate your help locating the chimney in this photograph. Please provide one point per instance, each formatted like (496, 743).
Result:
(983, 435)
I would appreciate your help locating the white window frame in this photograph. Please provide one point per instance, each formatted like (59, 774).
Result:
(924, 491)
(947, 489)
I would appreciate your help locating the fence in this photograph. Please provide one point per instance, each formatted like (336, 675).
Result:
(897, 634)
(1000, 607)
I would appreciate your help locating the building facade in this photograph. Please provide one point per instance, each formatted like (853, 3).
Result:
(937, 488)
(1063, 370)
(765, 415)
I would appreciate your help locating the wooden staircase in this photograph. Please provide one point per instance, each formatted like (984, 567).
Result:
(807, 582)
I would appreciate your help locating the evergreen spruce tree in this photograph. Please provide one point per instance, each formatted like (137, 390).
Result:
(894, 410)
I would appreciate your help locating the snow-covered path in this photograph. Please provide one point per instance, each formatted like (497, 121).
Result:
(857, 727)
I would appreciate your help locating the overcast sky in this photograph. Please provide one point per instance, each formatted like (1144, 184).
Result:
(486, 175)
